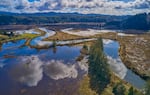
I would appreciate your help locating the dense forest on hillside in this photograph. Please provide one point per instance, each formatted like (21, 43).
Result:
(139, 21)
(7, 19)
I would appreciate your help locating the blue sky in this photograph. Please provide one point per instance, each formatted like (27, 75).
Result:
(111, 7)
(30, 0)
(33, 0)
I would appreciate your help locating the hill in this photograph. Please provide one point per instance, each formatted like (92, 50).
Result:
(139, 22)
(136, 22)
(47, 18)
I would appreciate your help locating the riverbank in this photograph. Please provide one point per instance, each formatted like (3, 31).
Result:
(85, 89)
(134, 49)
(19, 37)
(135, 54)
(23, 34)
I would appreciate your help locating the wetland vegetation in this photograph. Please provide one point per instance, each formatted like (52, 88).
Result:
(74, 47)
(60, 61)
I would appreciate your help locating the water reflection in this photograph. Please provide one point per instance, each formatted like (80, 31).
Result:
(29, 71)
(58, 70)
(12, 45)
(83, 64)
(54, 70)
(111, 50)
(117, 67)
(38, 41)
(54, 50)
(1, 63)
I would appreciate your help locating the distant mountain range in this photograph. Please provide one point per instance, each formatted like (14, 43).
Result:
(139, 21)
(53, 14)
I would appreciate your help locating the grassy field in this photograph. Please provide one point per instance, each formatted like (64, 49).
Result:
(26, 36)
(23, 36)
(3, 37)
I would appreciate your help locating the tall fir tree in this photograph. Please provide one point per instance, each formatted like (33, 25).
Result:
(131, 91)
(147, 88)
(98, 68)
(119, 89)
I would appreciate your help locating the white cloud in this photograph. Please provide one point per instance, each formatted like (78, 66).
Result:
(83, 64)
(114, 7)
(28, 71)
(117, 67)
(56, 69)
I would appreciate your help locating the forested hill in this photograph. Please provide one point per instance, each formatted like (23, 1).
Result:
(139, 22)
(47, 18)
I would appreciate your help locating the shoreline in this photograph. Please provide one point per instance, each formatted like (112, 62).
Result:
(113, 36)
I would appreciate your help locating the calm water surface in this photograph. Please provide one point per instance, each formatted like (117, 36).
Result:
(53, 71)
(30, 71)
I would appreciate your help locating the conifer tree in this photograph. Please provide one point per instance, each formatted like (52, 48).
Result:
(98, 68)
(119, 89)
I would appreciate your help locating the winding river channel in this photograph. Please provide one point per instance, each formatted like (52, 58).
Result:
(54, 71)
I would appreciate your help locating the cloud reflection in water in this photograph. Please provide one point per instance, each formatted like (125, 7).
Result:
(58, 70)
(117, 67)
(29, 70)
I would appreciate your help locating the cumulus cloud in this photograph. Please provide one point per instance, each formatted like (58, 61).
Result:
(83, 64)
(117, 66)
(56, 69)
(81, 6)
(29, 71)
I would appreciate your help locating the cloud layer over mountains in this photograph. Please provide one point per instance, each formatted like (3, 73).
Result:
(117, 7)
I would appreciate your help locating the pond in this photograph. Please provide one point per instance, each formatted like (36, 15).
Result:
(53, 71)
(30, 71)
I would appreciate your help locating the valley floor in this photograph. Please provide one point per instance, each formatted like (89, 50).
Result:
(134, 50)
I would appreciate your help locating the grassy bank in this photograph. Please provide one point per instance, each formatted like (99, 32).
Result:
(23, 36)
(85, 89)
(3, 37)
(61, 36)
(100, 79)
(134, 52)
(26, 36)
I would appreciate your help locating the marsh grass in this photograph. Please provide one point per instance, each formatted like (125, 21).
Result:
(85, 89)
(137, 47)
(61, 36)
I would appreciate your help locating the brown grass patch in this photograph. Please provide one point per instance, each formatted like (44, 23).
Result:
(137, 46)
(61, 36)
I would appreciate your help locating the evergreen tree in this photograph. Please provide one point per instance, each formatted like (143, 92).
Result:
(119, 89)
(131, 91)
(98, 68)
(85, 47)
(54, 44)
(147, 89)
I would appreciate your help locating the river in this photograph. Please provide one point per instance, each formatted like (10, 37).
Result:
(30, 71)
